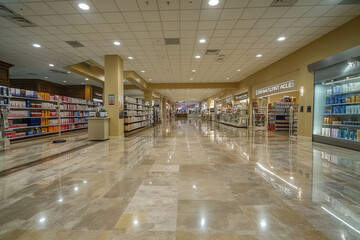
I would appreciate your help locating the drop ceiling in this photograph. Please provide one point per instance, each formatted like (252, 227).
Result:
(240, 29)
(188, 95)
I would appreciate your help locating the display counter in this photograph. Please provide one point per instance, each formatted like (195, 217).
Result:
(181, 115)
(98, 128)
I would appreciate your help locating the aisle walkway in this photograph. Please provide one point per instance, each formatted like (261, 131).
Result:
(187, 180)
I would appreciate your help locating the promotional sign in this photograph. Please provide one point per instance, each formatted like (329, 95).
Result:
(241, 97)
(111, 99)
(279, 87)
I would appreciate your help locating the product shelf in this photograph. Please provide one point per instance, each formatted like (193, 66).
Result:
(344, 93)
(25, 108)
(11, 118)
(341, 125)
(135, 121)
(339, 104)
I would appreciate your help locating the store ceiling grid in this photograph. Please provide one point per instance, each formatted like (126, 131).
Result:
(188, 95)
(239, 28)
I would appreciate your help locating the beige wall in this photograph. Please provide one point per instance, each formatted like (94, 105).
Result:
(295, 65)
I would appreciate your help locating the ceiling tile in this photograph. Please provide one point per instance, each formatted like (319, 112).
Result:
(265, 23)
(126, 5)
(318, 11)
(236, 3)
(62, 7)
(74, 19)
(226, 24)
(105, 6)
(231, 14)
(132, 16)
(210, 14)
(284, 22)
(137, 27)
(114, 17)
(40, 8)
(296, 11)
(169, 16)
(252, 13)
(189, 15)
(151, 16)
(55, 20)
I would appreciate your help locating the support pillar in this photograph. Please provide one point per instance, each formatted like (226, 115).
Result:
(148, 96)
(88, 92)
(114, 86)
(163, 106)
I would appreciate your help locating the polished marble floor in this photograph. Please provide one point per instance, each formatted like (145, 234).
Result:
(185, 180)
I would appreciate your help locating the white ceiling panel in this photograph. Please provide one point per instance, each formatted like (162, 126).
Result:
(238, 28)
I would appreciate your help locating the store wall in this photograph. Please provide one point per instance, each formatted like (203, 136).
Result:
(4, 73)
(345, 37)
(76, 91)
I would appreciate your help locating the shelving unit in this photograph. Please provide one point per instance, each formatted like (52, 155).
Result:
(294, 119)
(136, 114)
(337, 104)
(259, 116)
(38, 115)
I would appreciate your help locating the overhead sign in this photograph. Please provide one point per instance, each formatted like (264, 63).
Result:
(241, 97)
(276, 87)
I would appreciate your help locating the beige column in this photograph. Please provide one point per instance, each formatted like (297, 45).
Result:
(148, 96)
(163, 107)
(88, 92)
(114, 87)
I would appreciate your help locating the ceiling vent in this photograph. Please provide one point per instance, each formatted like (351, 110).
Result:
(220, 58)
(22, 22)
(350, 2)
(172, 41)
(57, 71)
(212, 52)
(5, 12)
(74, 44)
(283, 3)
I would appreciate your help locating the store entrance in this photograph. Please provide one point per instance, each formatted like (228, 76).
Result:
(278, 112)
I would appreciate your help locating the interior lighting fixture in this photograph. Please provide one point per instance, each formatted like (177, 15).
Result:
(84, 6)
(150, 79)
(280, 39)
(36, 45)
(238, 70)
(227, 78)
(142, 71)
(130, 58)
(51, 65)
(213, 2)
(41, 220)
(60, 200)
(46, 77)
(197, 56)
(68, 72)
(82, 83)
(64, 81)
(202, 40)
(117, 43)
(86, 79)
(191, 79)
(194, 70)
(291, 177)
(259, 55)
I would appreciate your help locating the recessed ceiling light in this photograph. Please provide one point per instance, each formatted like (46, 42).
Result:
(197, 56)
(117, 43)
(68, 72)
(238, 70)
(194, 70)
(64, 81)
(142, 71)
(191, 80)
(45, 77)
(213, 2)
(281, 39)
(84, 6)
(202, 40)
(51, 65)
(86, 79)
(259, 55)
(150, 79)
(227, 78)
(82, 83)
(36, 45)
(130, 57)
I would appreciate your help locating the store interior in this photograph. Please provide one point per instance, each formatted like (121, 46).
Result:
(179, 119)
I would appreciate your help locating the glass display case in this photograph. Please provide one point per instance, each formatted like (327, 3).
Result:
(337, 110)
